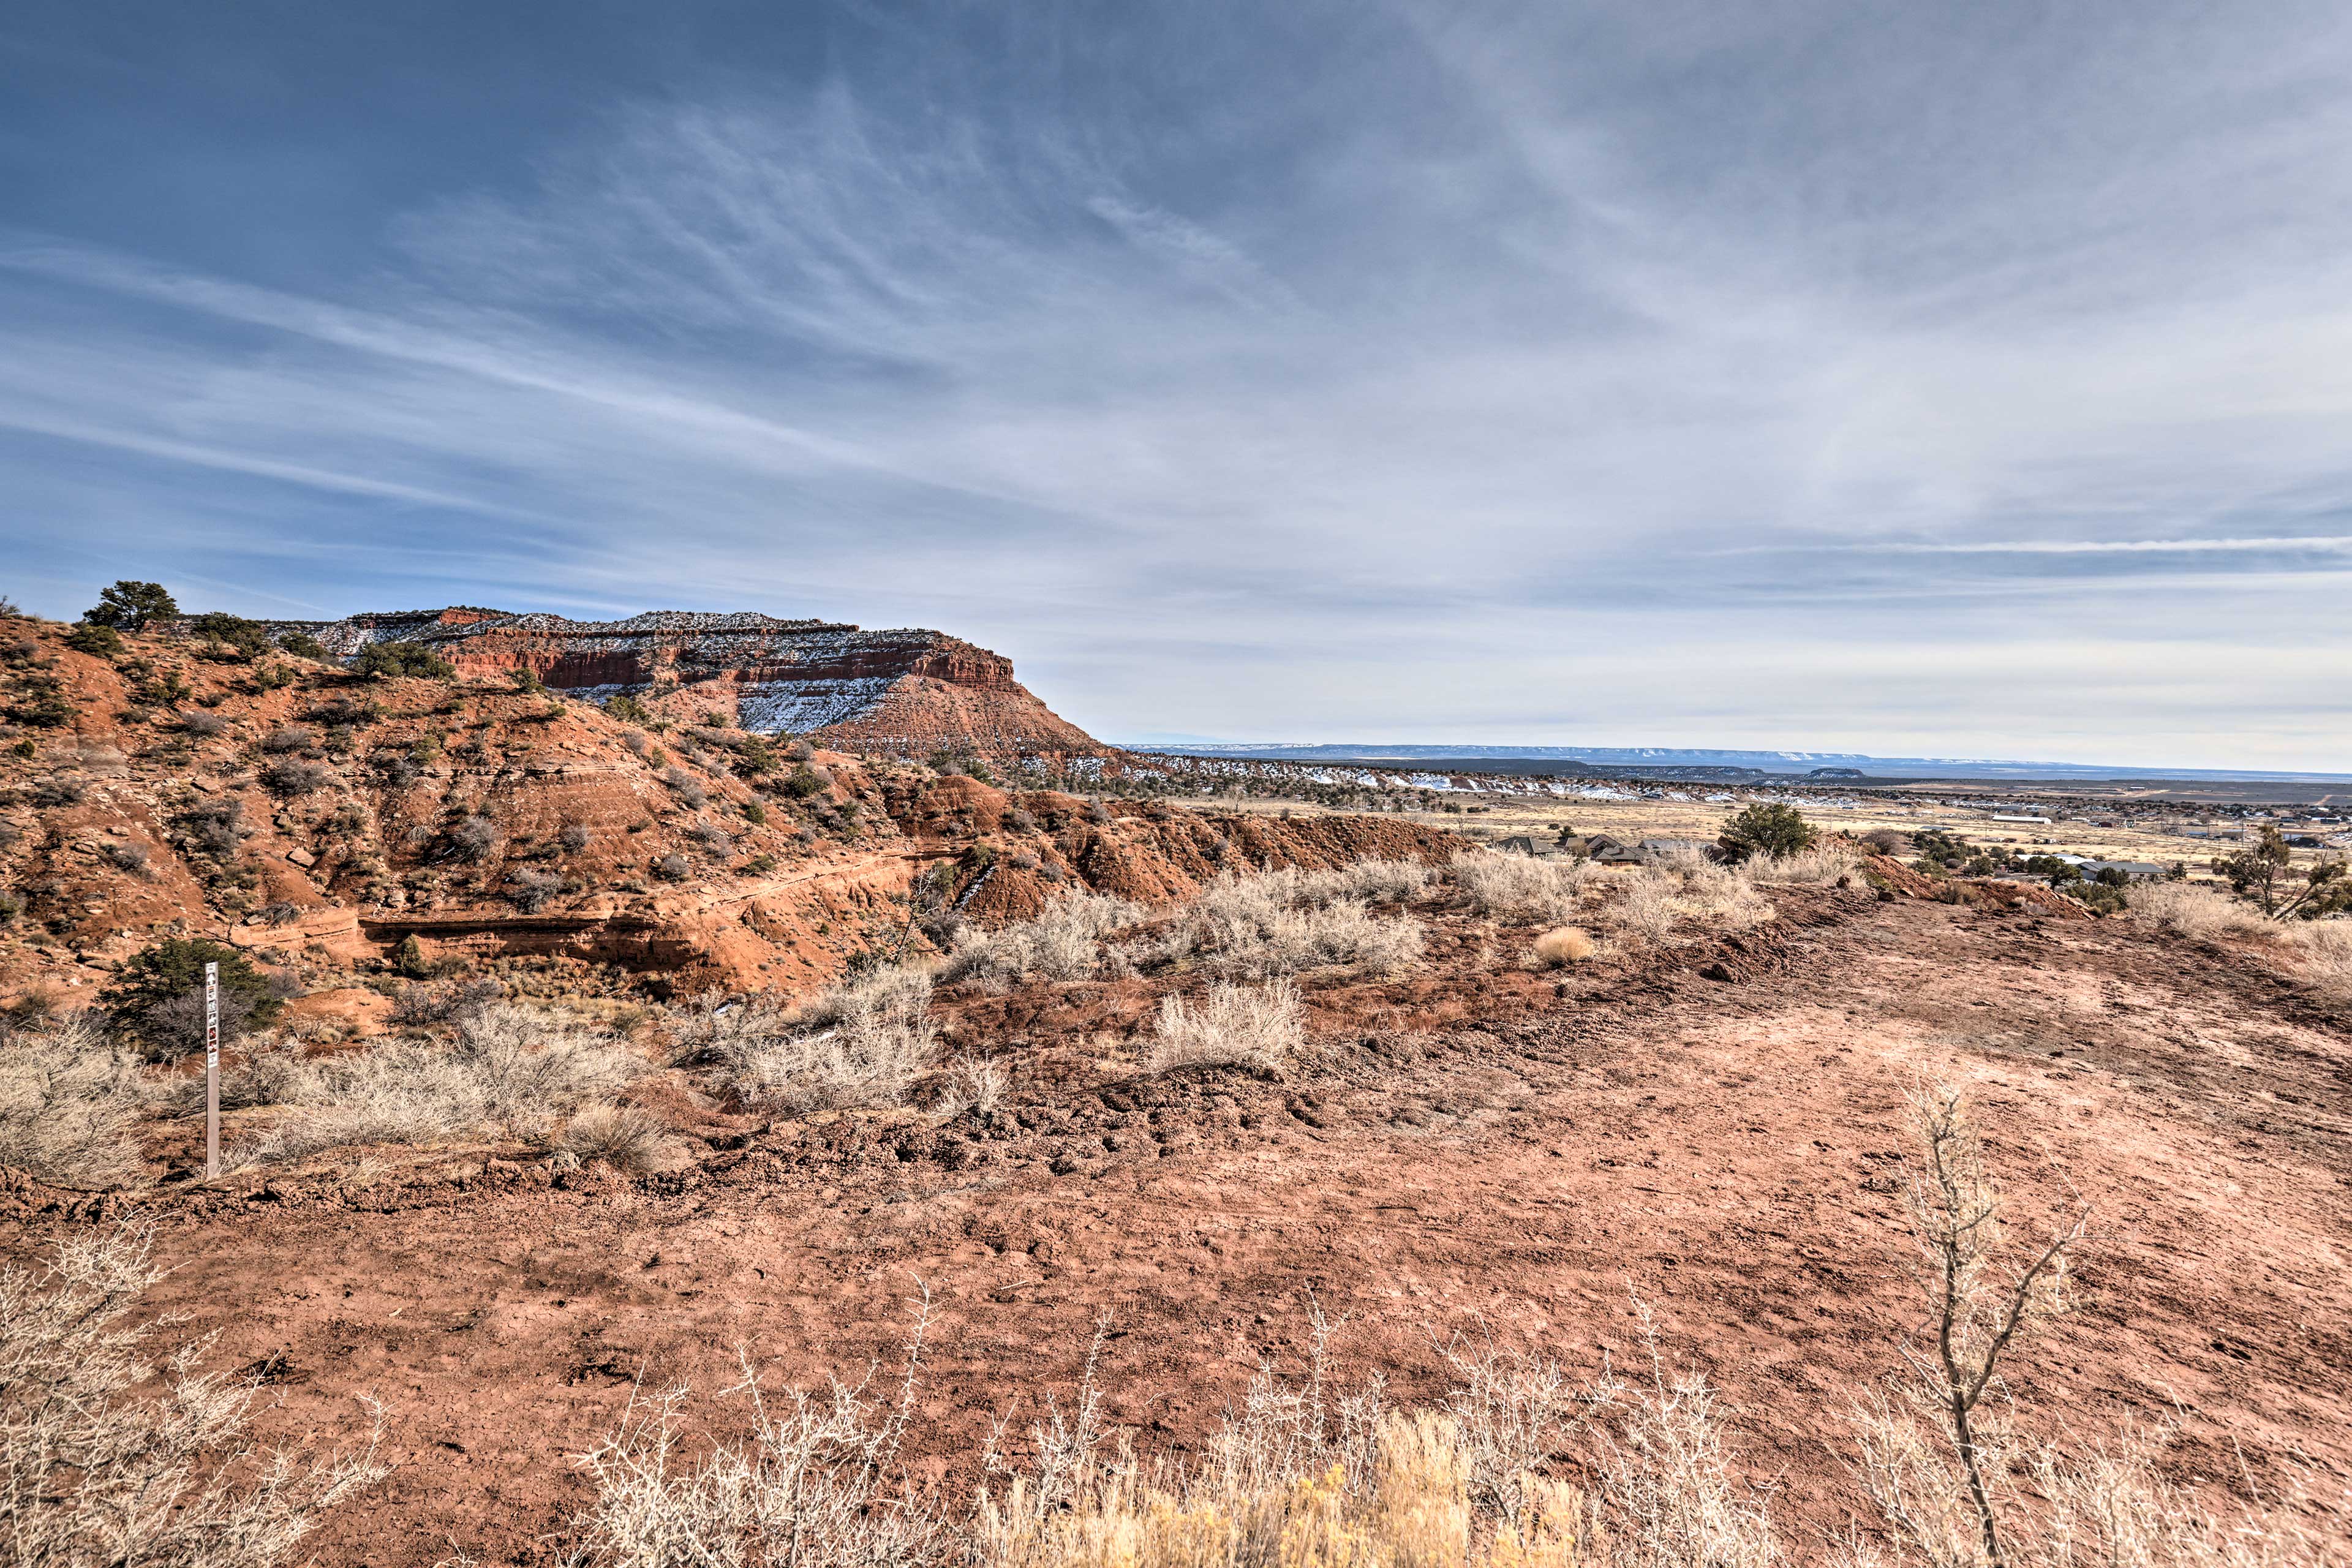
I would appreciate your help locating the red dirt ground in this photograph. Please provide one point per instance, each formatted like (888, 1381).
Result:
(1482, 1152)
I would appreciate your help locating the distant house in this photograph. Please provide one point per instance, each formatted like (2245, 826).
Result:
(1606, 849)
(1524, 843)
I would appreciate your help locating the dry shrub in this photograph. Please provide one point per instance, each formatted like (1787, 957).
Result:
(1513, 1415)
(1232, 1026)
(1260, 925)
(2322, 951)
(707, 1028)
(890, 990)
(107, 1459)
(534, 888)
(625, 1137)
(1063, 943)
(417, 1005)
(2194, 910)
(863, 1065)
(1564, 945)
(269, 1071)
(290, 775)
(859, 1045)
(70, 1101)
(1520, 888)
(509, 1070)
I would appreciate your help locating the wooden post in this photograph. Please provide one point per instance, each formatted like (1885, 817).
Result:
(212, 1071)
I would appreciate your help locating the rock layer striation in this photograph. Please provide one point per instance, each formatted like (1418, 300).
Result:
(903, 690)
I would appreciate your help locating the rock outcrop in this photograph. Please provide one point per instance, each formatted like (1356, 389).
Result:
(908, 690)
(328, 822)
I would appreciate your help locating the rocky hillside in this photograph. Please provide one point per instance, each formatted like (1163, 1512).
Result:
(911, 691)
(293, 807)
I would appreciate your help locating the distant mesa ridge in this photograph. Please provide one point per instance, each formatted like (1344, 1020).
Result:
(907, 689)
(1725, 764)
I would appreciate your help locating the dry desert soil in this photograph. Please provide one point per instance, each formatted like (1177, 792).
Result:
(1715, 1129)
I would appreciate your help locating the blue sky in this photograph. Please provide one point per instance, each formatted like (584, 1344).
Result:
(1915, 379)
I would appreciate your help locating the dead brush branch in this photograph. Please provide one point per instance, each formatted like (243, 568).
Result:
(1981, 1293)
(108, 1460)
(1515, 1415)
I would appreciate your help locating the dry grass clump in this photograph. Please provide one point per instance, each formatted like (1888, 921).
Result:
(2323, 951)
(1259, 925)
(625, 1137)
(1520, 888)
(107, 1458)
(2194, 910)
(1564, 945)
(1063, 943)
(1365, 881)
(1822, 861)
(969, 1085)
(1230, 1026)
(1690, 887)
(889, 990)
(1298, 1478)
(509, 1069)
(859, 1045)
(70, 1101)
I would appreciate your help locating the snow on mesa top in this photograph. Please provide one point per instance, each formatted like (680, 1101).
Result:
(907, 690)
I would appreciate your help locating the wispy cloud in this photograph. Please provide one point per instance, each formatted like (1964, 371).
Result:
(1648, 373)
(2267, 544)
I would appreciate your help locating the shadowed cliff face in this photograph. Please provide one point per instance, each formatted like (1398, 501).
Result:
(898, 690)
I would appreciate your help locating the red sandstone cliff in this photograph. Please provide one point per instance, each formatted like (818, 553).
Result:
(906, 690)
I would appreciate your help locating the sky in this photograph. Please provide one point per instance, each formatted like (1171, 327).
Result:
(1935, 379)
